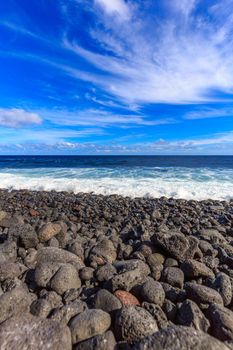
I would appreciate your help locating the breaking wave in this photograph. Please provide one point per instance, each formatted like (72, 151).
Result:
(176, 182)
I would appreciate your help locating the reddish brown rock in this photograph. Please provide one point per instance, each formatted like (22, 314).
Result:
(34, 213)
(126, 298)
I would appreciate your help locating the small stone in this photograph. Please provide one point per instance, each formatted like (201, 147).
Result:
(3, 215)
(153, 292)
(145, 249)
(30, 258)
(27, 236)
(221, 320)
(225, 250)
(8, 251)
(156, 266)
(169, 309)
(170, 262)
(106, 301)
(51, 254)
(14, 302)
(64, 279)
(156, 259)
(189, 314)
(53, 242)
(157, 313)
(66, 312)
(63, 236)
(89, 324)
(86, 273)
(207, 248)
(179, 337)
(27, 332)
(211, 262)
(105, 273)
(212, 235)
(104, 341)
(77, 249)
(202, 294)
(9, 270)
(173, 294)
(12, 283)
(52, 297)
(44, 272)
(11, 222)
(177, 245)
(71, 295)
(126, 298)
(48, 231)
(41, 308)
(134, 323)
(156, 272)
(173, 276)
(105, 251)
(128, 279)
(194, 269)
(222, 284)
(34, 213)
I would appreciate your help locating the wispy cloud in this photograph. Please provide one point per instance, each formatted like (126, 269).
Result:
(115, 7)
(107, 102)
(49, 135)
(16, 118)
(174, 61)
(184, 7)
(221, 141)
(208, 113)
(216, 139)
(154, 60)
(102, 118)
(20, 29)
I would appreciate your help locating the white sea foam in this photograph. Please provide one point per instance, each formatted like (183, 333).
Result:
(184, 183)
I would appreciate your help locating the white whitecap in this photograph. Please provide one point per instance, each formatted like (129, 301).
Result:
(198, 184)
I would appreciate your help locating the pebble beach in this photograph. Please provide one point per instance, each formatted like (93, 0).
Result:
(86, 271)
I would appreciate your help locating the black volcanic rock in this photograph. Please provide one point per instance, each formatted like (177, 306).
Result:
(86, 271)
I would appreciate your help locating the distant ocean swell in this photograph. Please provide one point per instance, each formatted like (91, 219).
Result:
(177, 182)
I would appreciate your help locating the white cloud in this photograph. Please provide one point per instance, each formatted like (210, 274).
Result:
(66, 145)
(193, 144)
(102, 118)
(222, 142)
(208, 113)
(49, 135)
(151, 59)
(16, 118)
(183, 6)
(222, 138)
(117, 7)
(172, 61)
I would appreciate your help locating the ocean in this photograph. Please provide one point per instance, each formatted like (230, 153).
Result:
(188, 177)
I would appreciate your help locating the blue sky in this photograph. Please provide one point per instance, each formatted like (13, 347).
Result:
(116, 77)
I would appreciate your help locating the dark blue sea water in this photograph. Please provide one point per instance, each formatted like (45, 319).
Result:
(116, 161)
(191, 177)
